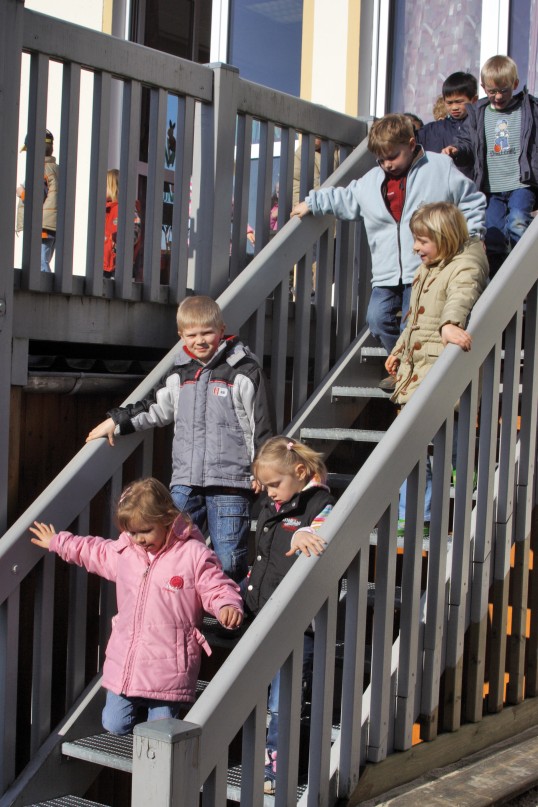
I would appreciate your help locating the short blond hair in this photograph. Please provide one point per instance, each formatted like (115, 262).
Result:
(444, 224)
(499, 70)
(389, 131)
(199, 310)
(286, 453)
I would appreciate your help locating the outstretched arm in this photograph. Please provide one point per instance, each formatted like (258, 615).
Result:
(43, 534)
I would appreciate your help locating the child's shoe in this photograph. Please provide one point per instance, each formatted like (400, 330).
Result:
(270, 772)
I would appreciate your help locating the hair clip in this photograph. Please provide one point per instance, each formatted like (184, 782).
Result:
(289, 446)
(124, 494)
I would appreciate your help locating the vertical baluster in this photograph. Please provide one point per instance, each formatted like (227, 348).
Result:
(63, 263)
(484, 513)
(102, 84)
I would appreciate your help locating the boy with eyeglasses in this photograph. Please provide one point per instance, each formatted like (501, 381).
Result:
(500, 133)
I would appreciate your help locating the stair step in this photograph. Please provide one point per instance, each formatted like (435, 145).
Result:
(359, 392)
(67, 801)
(373, 351)
(358, 435)
(106, 749)
(234, 788)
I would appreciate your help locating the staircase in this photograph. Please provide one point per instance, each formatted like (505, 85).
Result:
(376, 600)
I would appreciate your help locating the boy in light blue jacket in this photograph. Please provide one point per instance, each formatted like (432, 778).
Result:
(386, 197)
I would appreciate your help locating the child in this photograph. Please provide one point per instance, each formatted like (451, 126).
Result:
(296, 503)
(386, 198)
(500, 137)
(459, 90)
(165, 578)
(217, 397)
(111, 226)
(450, 280)
(51, 180)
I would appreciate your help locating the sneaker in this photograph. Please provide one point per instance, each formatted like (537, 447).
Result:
(269, 787)
(270, 772)
(388, 383)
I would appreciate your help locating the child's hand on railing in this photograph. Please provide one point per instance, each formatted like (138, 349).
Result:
(455, 335)
(230, 617)
(301, 209)
(306, 541)
(43, 534)
(104, 429)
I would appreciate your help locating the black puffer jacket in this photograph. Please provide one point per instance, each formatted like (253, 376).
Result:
(274, 532)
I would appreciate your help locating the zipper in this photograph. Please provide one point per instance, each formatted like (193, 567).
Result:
(139, 610)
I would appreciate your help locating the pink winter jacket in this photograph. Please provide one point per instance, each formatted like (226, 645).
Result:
(155, 647)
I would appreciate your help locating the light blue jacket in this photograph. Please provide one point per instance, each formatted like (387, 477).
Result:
(431, 178)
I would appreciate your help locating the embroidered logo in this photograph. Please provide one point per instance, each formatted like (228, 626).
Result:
(221, 391)
(291, 524)
(174, 584)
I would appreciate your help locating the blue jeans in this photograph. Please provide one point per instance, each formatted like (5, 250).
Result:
(508, 215)
(274, 692)
(47, 251)
(385, 303)
(122, 714)
(226, 512)
(428, 493)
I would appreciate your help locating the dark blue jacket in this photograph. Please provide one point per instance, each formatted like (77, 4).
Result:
(472, 139)
(441, 133)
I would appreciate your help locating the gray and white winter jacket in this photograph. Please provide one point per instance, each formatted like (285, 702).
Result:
(222, 412)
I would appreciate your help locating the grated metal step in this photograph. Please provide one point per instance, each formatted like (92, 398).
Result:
(337, 393)
(106, 749)
(67, 801)
(373, 351)
(233, 790)
(357, 435)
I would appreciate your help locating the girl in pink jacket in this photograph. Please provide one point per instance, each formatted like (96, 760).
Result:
(166, 577)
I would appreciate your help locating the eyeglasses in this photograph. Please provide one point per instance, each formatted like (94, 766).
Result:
(496, 91)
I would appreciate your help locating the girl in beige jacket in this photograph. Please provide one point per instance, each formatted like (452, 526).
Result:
(451, 278)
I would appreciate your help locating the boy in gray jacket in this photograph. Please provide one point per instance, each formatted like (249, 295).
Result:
(217, 397)
(386, 197)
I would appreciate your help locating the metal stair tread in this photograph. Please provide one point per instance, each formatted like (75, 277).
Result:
(110, 750)
(67, 801)
(358, 435)
(369, 351)
(234, 788)
(359, 392)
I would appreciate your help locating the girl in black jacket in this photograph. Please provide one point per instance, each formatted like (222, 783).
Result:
(297, 502)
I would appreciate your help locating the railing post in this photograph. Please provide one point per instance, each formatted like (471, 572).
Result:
(166, 764)
(11, 27)
(212, 187)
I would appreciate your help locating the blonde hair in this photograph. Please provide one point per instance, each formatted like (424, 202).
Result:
(444, 224)
(389, 131)
(287, 453)
(439, 108)
(499, 70)
(199, 310)
(147, 500)
(112, 184)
